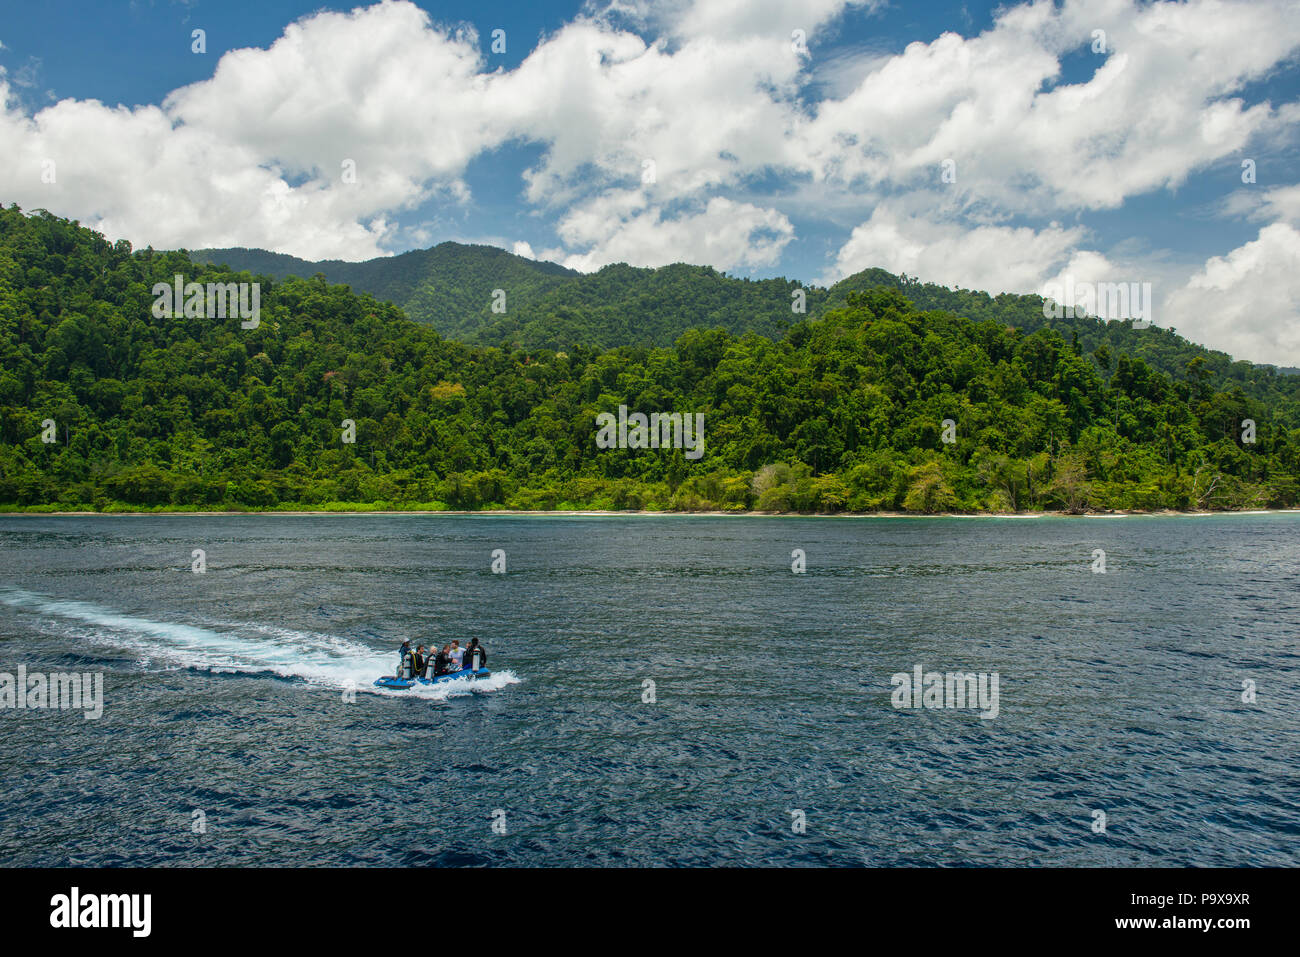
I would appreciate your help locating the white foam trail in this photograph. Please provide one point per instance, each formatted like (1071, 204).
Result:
(460, 686)
(320, 659)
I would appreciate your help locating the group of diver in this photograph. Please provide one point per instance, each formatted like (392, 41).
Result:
(451, 659)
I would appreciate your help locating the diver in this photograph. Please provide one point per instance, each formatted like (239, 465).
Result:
(419, 662)
(442, 661)
(472, 649)
(404, 660)
(457, 656)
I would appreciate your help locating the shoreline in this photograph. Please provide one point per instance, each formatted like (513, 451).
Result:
(599, 513)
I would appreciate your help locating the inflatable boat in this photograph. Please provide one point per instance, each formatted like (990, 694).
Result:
(390, 681)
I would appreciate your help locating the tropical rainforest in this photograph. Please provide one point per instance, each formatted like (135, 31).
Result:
(398, 387)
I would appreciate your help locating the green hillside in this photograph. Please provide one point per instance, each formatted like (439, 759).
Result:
(845, 411)
(1158, 345)
(450, 287)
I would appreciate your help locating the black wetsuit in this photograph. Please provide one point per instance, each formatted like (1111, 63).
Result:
(441, 664)
(419, 663)
(469, 656)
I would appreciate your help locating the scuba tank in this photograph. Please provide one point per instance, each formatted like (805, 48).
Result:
(473, 664)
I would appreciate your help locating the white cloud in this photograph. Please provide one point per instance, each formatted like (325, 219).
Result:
(1279, 203)
(1246, 302)
(379, 85)
(728, 19)
(255, 155)
(1158, 107)
(619, 227)
(707, 114)
(989, 257)
(747, 18)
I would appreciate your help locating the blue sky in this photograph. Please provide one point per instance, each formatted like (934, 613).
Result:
(708, 132)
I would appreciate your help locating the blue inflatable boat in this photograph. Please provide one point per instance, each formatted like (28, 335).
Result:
(389, 681)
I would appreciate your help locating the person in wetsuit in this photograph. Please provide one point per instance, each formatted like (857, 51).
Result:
(470, 650)
(442, 663)
(419, 662)
(404, 660)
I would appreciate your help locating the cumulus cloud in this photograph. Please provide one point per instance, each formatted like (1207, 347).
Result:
(1279, 203)
(1158, 106)
(306, 147)
(621, 228)
(705, 115)
(1246, 302)
(313, 144)
(989, 257)
(741, 18)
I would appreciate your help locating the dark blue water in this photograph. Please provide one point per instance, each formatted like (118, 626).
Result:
(227, 692)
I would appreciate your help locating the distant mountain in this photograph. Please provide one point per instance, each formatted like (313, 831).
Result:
(450, 287)
(624, 305)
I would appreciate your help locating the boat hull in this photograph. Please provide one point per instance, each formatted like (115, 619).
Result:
(401, 684)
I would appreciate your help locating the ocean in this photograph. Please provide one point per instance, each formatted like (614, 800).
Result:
(666, 691)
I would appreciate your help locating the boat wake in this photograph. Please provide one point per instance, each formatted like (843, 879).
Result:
(320, 659)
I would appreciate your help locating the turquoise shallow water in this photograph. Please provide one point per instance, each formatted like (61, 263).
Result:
(227, 693)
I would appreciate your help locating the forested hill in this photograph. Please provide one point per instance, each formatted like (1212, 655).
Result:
(451, 287)
(103, 405)
(1159, 345)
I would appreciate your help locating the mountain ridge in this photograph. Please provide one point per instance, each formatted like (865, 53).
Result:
(449, 287)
